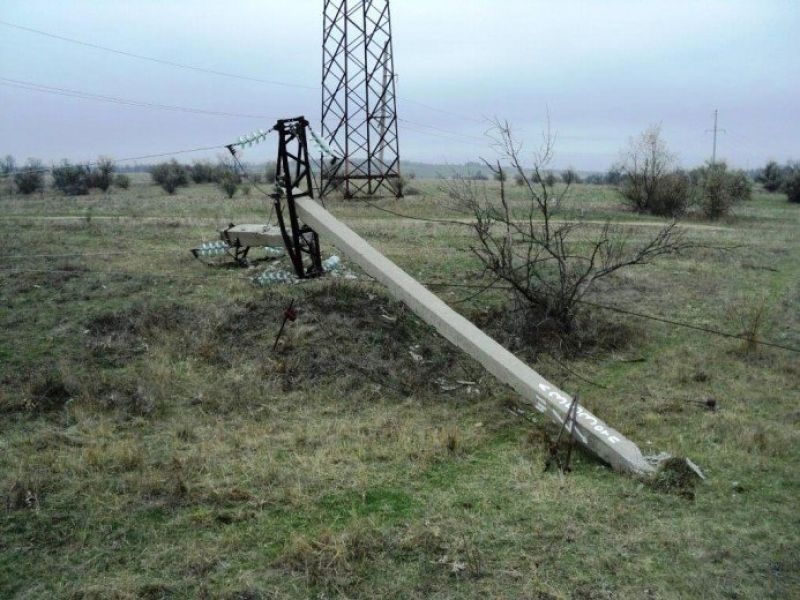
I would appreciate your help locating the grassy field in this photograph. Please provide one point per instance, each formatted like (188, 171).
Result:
(153, 445)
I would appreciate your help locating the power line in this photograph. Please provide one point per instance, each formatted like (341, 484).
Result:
(461, 137)
(36, 87)
(691, 326)
(482, 120)
(449, 137)
(685, 325)
(71, 93)
(639, 315)
(161, 155)
(447, 131)
(155, 60)
(413, 218)
(484, 141)
(213, 71)
(443, 111)
(253, 183)
(121, 160)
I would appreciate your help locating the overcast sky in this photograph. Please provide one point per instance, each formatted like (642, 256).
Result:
(605, 69)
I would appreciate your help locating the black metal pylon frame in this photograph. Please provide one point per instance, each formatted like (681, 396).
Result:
(293, 180)
(359, 108)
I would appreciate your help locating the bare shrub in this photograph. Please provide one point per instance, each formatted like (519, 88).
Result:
(571, 177)
(102, 176)
(71, 180)
(548, 272)
(78, 180)
(122, 181)
(8, 165)
(741, 186)
(30, 179)
(228, 178)
(792, 187)
(401, 187)
(771, 176)
(647, 179)
(719, 189)
(673, 195)
(170, 175)
(228, 185)
(613, 176)
(203, 172)
(750, 314)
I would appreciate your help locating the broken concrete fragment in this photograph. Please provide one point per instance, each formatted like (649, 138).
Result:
(252, 236)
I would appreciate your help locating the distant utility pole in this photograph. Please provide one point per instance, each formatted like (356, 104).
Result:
(359, 111)
(715, 130)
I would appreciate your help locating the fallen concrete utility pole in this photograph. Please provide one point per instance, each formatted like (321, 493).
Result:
(600, 439)
(301, 221)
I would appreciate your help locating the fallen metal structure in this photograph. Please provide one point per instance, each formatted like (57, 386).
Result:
(293, 183)
(302, 220)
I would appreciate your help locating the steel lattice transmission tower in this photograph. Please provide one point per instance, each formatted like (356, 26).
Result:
(359, 109)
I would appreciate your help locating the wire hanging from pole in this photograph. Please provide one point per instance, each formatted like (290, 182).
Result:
(244, 173)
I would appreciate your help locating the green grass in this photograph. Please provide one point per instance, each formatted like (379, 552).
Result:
(152, 445)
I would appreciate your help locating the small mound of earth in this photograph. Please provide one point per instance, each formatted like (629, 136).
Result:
(345, 332)
(677, 476)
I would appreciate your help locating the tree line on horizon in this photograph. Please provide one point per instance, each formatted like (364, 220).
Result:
(647, 178)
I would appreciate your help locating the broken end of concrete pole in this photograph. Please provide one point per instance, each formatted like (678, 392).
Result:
(625, 457)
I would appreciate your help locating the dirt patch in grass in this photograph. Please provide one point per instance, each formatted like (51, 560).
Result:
(39, 392)
(49, 395)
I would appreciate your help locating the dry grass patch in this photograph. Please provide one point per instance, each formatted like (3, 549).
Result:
(334, 561)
